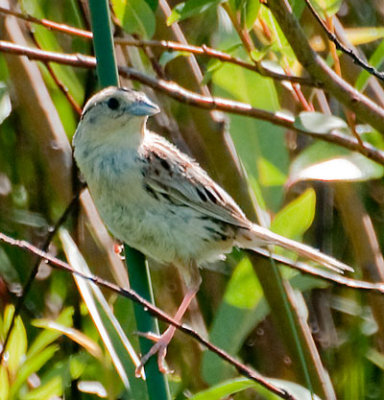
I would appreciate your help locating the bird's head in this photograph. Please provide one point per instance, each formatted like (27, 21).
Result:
(114, 110)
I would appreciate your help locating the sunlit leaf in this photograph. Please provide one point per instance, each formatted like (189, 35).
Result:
(358, 36)
(249, 12)
(269, 174)
(190, 8)
(32, 365)
(80, 338)
(232, 386)
(17, 346)
(244, 306)
(122, 353)
(224, 389)
(327, 162)
(327, 7)
(5, 102)
(48, 40)
(280, 46)
(297, 216)
(243, 290)
(46, 337)
(168, 56)
(376, 60)
(47, 391)
(8, 314)
(254, 138)
(136, 16)
(376, 357)
(92, 387)
(320, 123)
(4, 383)
(78, 364)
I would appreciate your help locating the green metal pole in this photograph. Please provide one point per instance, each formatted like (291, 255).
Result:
(139, 278)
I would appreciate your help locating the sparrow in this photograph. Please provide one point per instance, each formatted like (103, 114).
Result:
(159, 201)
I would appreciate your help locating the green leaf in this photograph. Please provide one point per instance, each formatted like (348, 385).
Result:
(32, 365)
(297, 216)
(224, 389)
(243, 307)
(136, 16)
(320, 123)
(74, 334)
(119, 347)
(4, 383)
(152, 4)
(232, 386)
(168, 56)
(47, 391)
(376, 61)
(47, 337)
(364, 35)
(191, 8)
(249, 11)
(254, 138)
(328, 162)
(5, 102)
(8, 314)
(327, 7)
(269, 174)
(17, 346)
(243, 290)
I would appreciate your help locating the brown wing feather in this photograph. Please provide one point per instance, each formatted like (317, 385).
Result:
(175, 174)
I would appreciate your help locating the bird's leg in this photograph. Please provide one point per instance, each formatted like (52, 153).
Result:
(162, 341)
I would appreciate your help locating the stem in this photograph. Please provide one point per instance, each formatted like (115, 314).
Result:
(106, 67)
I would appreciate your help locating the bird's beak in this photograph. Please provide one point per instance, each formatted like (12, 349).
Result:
(144, 108)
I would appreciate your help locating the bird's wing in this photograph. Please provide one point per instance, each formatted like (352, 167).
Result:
(172, 174)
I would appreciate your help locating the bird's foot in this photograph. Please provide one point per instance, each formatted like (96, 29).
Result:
(160, 347)
(118, 249)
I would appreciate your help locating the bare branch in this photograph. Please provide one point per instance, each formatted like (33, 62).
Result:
(167, 45)
(183, 95)
(364, 108)
(35, 269)
(340, 46)
(153, 310)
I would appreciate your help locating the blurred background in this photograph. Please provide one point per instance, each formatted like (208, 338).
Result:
(305, 189)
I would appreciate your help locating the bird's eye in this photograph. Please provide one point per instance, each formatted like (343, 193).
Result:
(113, 103)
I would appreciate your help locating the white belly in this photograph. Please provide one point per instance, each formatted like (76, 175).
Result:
(161, 230)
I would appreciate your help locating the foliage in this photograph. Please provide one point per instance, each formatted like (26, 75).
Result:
(73, 340)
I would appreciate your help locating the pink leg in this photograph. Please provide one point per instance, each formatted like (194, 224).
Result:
(162, 341)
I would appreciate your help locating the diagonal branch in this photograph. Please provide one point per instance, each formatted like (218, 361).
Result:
(153, 310)
(35, 269)
(340, 46)
(132, 295)
(364, 108)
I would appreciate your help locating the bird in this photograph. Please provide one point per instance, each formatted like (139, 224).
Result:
(158, 200)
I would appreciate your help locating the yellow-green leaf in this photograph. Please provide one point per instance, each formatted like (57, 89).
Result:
(4, 383)
(297, 216)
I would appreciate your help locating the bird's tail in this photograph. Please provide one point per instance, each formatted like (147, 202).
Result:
(257, 237)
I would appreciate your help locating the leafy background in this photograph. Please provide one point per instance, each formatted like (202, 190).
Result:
(73, 340)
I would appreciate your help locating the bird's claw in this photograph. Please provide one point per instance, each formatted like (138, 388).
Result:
(160, 347)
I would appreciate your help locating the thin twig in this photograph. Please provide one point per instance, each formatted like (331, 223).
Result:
(58, 82)
(167, 45)
(365, 108)
(183, 95)
(153, 310)
(51, 233)
(323, 274)
(48, 24)
(340, 46)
